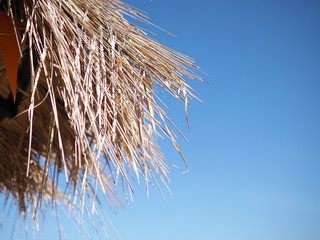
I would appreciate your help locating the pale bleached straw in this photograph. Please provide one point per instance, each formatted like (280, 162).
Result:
(91, 111)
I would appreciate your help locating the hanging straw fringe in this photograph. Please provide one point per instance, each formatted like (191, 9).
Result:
(90, 111)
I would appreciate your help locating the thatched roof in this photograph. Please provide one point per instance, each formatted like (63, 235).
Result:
(89, 110)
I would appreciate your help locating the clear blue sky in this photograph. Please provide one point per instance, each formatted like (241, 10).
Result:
(254, 150)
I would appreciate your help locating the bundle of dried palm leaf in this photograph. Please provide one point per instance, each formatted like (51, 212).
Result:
(85, 100)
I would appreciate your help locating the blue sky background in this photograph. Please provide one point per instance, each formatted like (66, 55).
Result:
(254, 150)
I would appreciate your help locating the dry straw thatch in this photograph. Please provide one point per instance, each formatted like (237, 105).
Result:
(89, 112)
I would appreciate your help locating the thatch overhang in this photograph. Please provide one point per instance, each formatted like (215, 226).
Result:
(86, 109)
